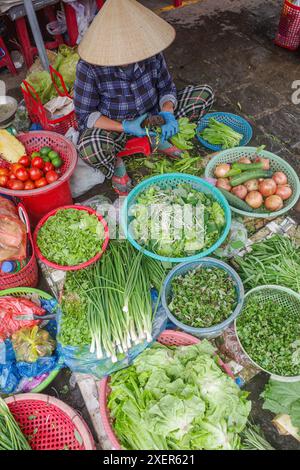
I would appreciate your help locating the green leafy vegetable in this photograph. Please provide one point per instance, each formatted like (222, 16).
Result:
(178, 399)
(203, 297)
(71, 237)
(283, 398)
(253, 439)
(187, 132)
(218, 133)
(11, 436)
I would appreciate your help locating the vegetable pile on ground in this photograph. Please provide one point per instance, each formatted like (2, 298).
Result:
(270, 333)
(251, 185)
(115, 297)
(283, 398)
(218, 133)
(275, 260)
(187, 131)
(71, 237)
(178, 399)
(203, 297)
(28, 172)
(176, 238)
(11, 436)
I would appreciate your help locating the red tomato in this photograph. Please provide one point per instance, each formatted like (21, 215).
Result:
(25, 161)
(3, 180)
(35, 174)
(12, 176)
(37, 162)
(41, 182)
(15, 167)
(22, 174)
(4, 172)
(51, 176)
(48, 167)
(29, 185)
(15, 184)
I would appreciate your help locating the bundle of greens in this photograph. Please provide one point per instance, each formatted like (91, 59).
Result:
(71, 237)
(177, 399)
(176, 222)
(275, 260)
(253, 438)
(283, 398)
(114, 302)
(218, 133)
(11, 436)
(187, 131)
(203, 297)
(269, 333)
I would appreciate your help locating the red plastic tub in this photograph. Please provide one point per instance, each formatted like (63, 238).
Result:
(288, 35)
(39, 202)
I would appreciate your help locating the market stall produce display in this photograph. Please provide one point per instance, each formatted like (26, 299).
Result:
(177, 399)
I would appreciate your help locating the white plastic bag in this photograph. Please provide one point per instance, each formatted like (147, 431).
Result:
(85, 12)
(84, 178)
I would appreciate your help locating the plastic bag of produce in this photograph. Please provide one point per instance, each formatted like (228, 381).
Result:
(12, 232)
(8, 208)
(30, 344)
(12, 307)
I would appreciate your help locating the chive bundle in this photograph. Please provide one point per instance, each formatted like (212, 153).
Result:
(11, 436)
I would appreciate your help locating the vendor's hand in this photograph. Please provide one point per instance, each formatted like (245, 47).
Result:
(170, 127)
(134, 127)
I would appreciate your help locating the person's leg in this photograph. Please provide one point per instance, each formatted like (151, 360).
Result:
(194, 101)
(98, 148)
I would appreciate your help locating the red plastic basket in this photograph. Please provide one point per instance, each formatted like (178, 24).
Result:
(38, 114)
(50, 424)
(27, 276)
(168, 338)
(40, 201)
(288, 35)
(79, 266)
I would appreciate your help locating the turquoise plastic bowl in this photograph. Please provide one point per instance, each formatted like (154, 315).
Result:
(184, 268)
(173, 180)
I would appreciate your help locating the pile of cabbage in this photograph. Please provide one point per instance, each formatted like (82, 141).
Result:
(177, 399)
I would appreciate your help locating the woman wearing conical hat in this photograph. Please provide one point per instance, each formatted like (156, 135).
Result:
(121, 78)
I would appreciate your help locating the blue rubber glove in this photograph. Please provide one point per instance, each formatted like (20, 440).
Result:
(170, 128)
(134, 127)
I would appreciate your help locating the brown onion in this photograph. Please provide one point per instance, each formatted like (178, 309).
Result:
(267, 187)
(245, 160)
(274, 203)
(280, 178)
(251, 185)
(265, 161)
(224, 184)
(221, 170)
(254, 199)
(240, 191)
(284, 191)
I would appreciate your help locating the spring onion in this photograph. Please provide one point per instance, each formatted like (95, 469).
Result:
(11, 436)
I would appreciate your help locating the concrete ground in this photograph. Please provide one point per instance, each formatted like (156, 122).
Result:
(229, 45)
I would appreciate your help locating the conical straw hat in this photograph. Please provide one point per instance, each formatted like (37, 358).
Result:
(124, 32)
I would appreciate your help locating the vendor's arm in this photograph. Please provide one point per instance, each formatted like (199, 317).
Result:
(166, 87)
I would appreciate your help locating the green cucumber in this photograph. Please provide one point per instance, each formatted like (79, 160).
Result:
(233, 172)
(248, 166)
(250, 175)
(235, 201)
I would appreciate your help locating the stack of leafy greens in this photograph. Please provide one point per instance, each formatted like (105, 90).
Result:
(178, 399)
(71, 237)
(176, 222)
(283, 398)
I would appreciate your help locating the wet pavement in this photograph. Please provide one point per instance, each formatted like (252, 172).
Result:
(229, 45)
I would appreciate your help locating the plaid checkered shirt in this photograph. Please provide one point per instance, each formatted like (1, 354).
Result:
(121, 93)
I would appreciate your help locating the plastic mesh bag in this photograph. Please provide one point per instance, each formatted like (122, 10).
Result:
(31, 344)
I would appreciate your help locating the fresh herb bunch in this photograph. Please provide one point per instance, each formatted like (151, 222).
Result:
(270, 335)
(71, 237)
(11, 436)
(275, 260)
(203, 297)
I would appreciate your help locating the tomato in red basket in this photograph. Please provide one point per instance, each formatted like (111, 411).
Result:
(15, 184)
(4, 172)
(51, 176)
(37, 162)
(35, 174)
(15, 167)
(12, 177)
(29, 185)
(3, 180)
(25, 161)
(41, 183)
(22, 174)
(48, 167)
